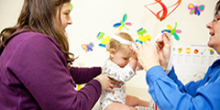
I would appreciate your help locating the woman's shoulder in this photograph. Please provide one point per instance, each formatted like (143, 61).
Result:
(33, 38)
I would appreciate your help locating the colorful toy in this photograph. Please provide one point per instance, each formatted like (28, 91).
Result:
(141, 39)
(87, 47)
(164, 9)
(105, 40)
(196, 9)
(122, 23)
(100, 35)
(141, 31)
(172, 31)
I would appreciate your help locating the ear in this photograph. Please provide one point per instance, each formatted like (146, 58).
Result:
(112, 52)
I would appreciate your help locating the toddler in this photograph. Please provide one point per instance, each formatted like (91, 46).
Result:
(120, 66)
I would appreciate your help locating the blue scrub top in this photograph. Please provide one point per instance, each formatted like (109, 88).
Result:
(170, 94)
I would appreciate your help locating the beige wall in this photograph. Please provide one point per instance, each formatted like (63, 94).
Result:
(9, 12)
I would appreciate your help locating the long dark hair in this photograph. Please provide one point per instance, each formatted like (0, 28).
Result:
(40, 16)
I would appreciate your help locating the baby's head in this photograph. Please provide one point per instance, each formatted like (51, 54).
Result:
(120, 53)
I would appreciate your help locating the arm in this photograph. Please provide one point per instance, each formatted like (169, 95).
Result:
(40, 65)
(133, 62)
(167, 95)
(189, 88)
(84, 75)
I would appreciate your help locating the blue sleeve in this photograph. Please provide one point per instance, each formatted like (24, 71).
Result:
(189, 88)
(168, 96)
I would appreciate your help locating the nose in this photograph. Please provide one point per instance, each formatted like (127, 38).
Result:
(69, 22)
(209, 25)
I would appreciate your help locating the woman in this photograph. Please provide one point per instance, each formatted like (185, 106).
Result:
(35, 71)
(166, 90)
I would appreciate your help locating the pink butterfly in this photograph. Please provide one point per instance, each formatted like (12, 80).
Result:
(87, 47)
(196, 9)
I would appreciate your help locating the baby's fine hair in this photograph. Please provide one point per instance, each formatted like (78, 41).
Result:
(114, 44)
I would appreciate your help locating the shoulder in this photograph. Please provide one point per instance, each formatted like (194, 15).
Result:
(37, 38)
(33, 43)
(34, 40)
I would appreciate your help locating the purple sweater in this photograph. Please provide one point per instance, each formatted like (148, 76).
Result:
(34, 75)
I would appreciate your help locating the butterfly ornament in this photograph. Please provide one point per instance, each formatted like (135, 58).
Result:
(122, 23)
(172, 31)
(103, 41)
(141, 38)
(87, 47)
(196, 9)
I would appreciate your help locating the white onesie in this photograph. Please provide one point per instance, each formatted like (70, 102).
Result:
(120, 74)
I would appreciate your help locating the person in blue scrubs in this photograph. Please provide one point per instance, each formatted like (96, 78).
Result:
(166, 90)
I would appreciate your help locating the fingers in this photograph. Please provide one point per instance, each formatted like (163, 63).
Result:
(113, 84)
(113, 80)
(111, 90)
(148, 43)
(138, 45)
(166, 38)
(134, 47)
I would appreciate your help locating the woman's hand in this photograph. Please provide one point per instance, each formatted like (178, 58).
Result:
(146, 54)
(108, 83)
(163, 47)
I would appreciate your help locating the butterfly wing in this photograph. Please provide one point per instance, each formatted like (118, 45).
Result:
(147, 37)
(116, 24)
(124, 17)
(100, 35)
(89, 47)
(120, 27)
(197, 12)
(178, 31)
(102, 45)
(192, 8)
(106, 40)
(84, 47)
(169, 27)
(166, 30)
(142, 31)
(176, 36)
(201, 7)
(128, 23)
(91, 44)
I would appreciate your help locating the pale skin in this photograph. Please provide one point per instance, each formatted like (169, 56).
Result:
(149, 56)
(214, 32)
(64, 19)
(122, 60)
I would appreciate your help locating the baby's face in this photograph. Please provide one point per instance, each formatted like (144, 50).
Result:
(120, 58)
